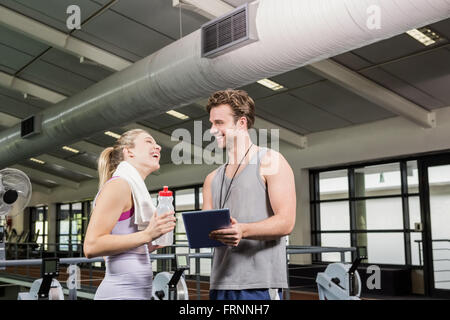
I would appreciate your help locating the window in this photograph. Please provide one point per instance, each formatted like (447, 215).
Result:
(64, 227)
(184, 201)
(377, 180)
(39, 226)
(372, 207)
(333, 185)
(76, 225)
(71, 225)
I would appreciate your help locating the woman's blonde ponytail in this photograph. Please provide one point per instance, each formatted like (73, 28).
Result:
(111, 157)
(104, 166)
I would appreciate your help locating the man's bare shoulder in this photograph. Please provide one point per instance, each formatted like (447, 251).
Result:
(272, 161)
(209, 178)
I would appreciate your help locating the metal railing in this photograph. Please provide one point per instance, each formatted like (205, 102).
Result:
(290, 250)
(420, 248)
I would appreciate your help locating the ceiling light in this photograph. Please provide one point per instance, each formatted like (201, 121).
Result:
(426, 36)
(37, 160)
(70, 149)
(270, 84)
(177, 114)
(112, 134)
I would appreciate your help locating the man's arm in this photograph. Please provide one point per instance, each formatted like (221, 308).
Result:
(207, 195)
(281, 189)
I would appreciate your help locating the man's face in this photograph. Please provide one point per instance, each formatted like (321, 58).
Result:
(223, 126)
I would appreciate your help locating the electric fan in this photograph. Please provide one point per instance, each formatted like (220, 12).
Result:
(15, 192)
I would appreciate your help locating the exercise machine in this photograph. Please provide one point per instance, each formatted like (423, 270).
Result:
(340, 281)
(46, 288)
(172, 286)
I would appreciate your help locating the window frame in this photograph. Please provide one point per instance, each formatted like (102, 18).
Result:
(314, 175)
(84, 219)
(33, 219)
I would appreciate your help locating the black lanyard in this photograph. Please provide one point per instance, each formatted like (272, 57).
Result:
(223, 179)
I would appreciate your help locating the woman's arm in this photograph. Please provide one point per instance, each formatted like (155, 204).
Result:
(114, 199)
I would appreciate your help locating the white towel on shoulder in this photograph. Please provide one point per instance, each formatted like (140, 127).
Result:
(143, 205)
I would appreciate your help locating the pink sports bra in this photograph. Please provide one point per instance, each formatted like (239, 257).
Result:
(127, 214)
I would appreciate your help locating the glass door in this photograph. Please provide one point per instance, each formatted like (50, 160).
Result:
(436, 217)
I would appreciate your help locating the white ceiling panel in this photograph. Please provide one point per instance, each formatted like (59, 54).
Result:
(257, 91)
(56, 170)
(341, 102)
(159, 15)
(17, 106)
(293, 79)
(106, 45)
(20, 42)
(160, 121)
(290, 124)
(55, 78)
(32, 101)
(402, 88)
(190, 126)
(443, 28)
(42, 182)
(296, 78)
(7, 121)
(85, 159)
(67, 61)
(165, 120)
(6, 69)
(126, 33)
(302, 114)
(393, 48)
(428, 72)
(12, 58)
(352, 61)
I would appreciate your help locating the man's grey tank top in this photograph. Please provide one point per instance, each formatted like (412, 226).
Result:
(252, 264)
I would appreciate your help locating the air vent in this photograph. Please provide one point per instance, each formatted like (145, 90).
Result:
(30, 126)
(229, 32)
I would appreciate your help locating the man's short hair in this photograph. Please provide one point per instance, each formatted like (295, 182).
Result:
(240, 102)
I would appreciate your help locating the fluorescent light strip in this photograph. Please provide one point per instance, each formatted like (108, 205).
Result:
(270, 84)
(112, 134)
(37, 160)
(421, 37)
(70, 149)
(177, 114)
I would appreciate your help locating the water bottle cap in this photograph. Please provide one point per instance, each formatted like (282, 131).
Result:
(165, 192)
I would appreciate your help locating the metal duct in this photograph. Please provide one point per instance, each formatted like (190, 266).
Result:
(292, 33)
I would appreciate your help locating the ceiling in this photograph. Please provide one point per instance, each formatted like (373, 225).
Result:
(134, 29)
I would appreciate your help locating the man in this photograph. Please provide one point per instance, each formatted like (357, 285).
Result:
(257, 185)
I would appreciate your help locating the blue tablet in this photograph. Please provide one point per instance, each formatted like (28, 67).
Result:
(199, 224)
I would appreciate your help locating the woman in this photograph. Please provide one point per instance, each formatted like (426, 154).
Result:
(112, 231)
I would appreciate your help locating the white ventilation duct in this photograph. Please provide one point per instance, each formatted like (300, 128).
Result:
(292, 33)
